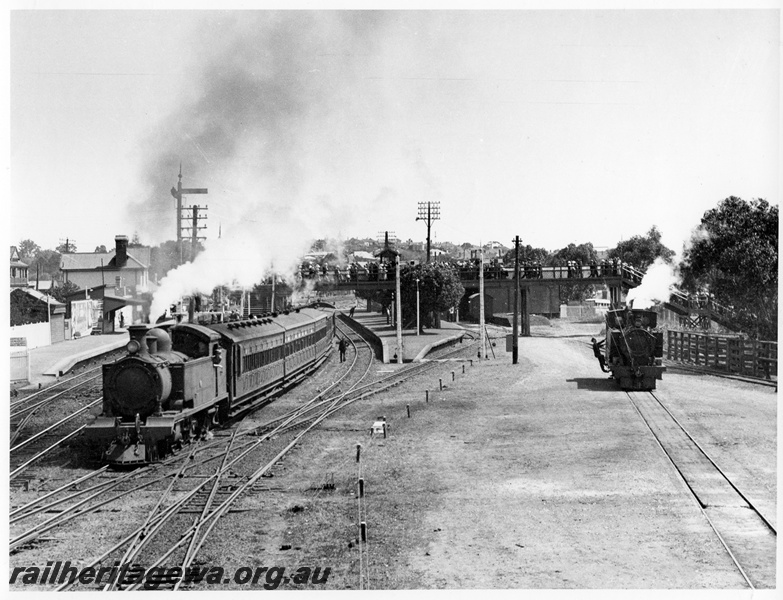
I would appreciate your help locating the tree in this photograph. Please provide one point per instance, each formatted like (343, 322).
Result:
(582, 253)
(28, 249)
(135, 241)
(25, 309)
(46, 264)
(733, 255)
(100, 248)
(439, 290)
(68, 247)
(527, 254)
(61, 292)
(641, 250)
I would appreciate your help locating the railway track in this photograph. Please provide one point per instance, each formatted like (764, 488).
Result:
(48, 438)
(45, 420)
(42, 396)
(21, 416)
(218, 488)
(747, 534)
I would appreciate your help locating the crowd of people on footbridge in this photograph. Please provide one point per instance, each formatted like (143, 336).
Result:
(355, 271)
(468, 270)
(571, 269)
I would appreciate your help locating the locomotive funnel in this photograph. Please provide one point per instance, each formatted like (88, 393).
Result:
(137, 334)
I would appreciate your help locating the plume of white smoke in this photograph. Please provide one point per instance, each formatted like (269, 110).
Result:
(266, 112)
(304, 295)
(246, 255)
(656, 285)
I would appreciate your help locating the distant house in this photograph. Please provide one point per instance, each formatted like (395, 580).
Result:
(127, 270)
(43, 285)
(18, 270)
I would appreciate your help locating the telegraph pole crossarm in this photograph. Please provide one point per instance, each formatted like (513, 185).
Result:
(428, 212)
(178, 192)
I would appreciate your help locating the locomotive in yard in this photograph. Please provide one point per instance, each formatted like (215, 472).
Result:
(177, 380)
(634, 348)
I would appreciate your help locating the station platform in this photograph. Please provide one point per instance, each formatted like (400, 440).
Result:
(414, 347)
(48, 363)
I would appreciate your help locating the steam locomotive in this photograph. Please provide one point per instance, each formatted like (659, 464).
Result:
(178, 380)
(634, 348)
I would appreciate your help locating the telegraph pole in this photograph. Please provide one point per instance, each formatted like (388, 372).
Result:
(399, 312)
(178, 192)
(68, 245)
(482, 325)
(428, 212)
(515, 339)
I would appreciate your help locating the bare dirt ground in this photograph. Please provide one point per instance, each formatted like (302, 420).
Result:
(532, 476)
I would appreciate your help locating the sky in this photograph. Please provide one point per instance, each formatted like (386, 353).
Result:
(560, 126)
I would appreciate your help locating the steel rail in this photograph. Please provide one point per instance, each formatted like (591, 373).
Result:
(43, 453)
(60, 382)
(46, 401)
(248, 447)
(694, 495)
(141, 532)
(55, 425)
(714, 464)
(213, 517)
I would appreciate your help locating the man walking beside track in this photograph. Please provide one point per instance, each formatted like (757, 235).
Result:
(341, 347)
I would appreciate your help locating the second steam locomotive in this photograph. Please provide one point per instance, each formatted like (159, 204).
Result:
(634, 348)
(178, 380)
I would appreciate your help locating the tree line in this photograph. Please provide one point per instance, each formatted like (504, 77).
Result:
(732, 256)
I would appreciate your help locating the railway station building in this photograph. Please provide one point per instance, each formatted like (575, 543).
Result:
(126, 269)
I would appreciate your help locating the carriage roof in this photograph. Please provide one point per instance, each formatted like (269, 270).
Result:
(261, 327)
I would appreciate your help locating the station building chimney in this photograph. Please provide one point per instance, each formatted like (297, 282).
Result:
(121, 257)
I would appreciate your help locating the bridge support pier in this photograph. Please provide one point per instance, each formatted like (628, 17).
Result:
(615, 294)
(525, 312)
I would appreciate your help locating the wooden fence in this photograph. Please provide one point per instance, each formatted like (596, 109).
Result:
(723, 353)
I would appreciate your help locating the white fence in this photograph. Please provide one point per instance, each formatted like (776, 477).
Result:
(581, 311)
(36, 334)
